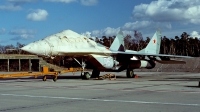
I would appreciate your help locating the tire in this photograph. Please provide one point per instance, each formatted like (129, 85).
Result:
(86, 76)
(130, 73)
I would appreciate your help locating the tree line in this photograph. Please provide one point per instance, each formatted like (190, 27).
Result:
(179, 45)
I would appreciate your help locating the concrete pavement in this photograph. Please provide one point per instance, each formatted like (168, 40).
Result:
(152, 91)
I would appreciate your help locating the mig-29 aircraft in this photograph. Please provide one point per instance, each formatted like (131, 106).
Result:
(113, 59)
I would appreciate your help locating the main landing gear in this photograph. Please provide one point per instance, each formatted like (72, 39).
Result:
(130, 73)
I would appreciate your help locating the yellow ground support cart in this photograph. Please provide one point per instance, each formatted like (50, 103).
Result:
(44, 73)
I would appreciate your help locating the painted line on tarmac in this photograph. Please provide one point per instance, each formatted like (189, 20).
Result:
(103, 100)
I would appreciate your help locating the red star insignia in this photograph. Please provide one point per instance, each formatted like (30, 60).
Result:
(154, 41)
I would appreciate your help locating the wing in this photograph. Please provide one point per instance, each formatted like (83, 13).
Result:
(109, 52)
(156, 55)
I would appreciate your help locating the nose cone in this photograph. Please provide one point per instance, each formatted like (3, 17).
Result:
(39, 48)
(32, 48)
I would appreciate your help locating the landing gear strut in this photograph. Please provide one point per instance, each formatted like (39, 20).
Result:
(84, 75)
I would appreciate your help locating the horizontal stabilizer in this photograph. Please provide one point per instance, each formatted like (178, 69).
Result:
(170, 62)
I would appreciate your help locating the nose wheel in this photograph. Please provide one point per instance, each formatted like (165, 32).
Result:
(85, 75)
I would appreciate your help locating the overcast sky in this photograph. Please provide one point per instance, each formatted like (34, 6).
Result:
(26, 21)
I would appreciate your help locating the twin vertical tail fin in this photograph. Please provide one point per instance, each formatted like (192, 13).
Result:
(118, 43)
(153, 46)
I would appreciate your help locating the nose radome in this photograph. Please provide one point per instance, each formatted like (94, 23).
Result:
(25, 48)
(40, 48)
(32, 48)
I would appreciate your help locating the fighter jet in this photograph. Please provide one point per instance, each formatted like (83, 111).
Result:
(113, 59)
